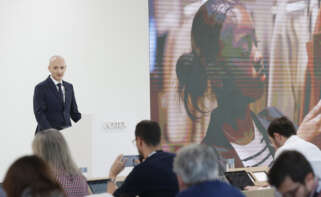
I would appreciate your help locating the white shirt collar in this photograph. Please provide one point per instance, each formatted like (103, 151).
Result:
(291, 139)
(150, 154)
(55, 81)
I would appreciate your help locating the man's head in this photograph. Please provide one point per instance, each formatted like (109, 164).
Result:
(148, 136)
(194, 164)
(280, 130)
(292, 175)
(57, 67)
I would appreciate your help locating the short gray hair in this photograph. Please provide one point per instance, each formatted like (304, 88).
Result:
(196, 163)
(51, 146)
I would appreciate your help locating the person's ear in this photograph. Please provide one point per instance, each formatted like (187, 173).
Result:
(182, 186)
(276, 136)
(309, 181)
(139, 141)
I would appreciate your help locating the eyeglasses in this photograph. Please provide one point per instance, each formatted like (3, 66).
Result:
(134, 141)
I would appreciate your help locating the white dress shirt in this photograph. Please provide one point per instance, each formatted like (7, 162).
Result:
(62, 86)
(310, 151)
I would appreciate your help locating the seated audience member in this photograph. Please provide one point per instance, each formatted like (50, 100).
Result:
(283, 136)
(292, 175)
(154, 176)
(31, 176)
(51, 146)
(197, 169)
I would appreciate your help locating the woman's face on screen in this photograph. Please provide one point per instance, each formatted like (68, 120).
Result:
(240, 55)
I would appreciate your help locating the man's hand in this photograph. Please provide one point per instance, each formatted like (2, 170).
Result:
(117, 167)
(311, 124)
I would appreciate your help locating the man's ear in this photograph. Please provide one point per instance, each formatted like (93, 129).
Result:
(276, 136)
(182, 186)
(139, 141)
(309, 181)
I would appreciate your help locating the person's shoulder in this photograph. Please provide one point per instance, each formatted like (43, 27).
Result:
(155, 160)
(211, 187)
(161, 156)
(42, 84)
(229, 190)
(297, 142)
(66, 83)
(168, 154)
(310, 146)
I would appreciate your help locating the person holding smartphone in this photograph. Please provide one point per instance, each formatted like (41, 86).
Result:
(154, 176)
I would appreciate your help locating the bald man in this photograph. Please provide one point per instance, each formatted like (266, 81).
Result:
(54, 100)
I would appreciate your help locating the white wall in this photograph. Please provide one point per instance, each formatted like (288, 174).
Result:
(105, 44)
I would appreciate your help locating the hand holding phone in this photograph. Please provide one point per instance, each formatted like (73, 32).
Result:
(131, 160)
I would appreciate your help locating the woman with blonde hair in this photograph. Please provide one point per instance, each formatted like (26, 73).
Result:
(51, 146)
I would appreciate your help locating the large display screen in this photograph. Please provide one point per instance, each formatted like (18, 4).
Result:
(222, 70)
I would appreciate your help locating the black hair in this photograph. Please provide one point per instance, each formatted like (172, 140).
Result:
(149, 131)
(192, 69)
(289, 164)
(282, 126)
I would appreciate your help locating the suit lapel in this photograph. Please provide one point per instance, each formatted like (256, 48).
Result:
(52, 87)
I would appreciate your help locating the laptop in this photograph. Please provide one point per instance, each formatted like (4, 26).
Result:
(239, 179)
(98, 186)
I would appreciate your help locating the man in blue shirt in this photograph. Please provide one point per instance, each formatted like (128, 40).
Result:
(197, 170)
(154, 176)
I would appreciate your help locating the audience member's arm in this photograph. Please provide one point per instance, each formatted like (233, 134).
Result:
(116, 168)
(311, 124)
(89, 191)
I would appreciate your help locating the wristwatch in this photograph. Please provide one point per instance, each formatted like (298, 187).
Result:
(113, 180)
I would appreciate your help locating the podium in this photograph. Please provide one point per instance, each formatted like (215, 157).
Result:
(79, 140)
(96, 140)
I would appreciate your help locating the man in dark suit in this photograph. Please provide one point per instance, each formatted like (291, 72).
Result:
(54, 100)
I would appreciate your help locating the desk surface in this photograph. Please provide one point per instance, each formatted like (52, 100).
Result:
(266, 192)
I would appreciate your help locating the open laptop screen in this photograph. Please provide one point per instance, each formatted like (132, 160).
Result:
(98, 186)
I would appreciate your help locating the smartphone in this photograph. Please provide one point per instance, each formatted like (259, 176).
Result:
(131, 160)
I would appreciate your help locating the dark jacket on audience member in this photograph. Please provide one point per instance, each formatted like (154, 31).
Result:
(152, 178)
(209, 189)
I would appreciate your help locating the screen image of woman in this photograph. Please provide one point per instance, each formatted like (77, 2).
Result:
(226, 60)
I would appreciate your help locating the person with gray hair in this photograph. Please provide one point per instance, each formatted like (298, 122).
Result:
(51, 146)
(197, 169)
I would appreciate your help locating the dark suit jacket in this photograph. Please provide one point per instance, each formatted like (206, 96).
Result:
(49, 111)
